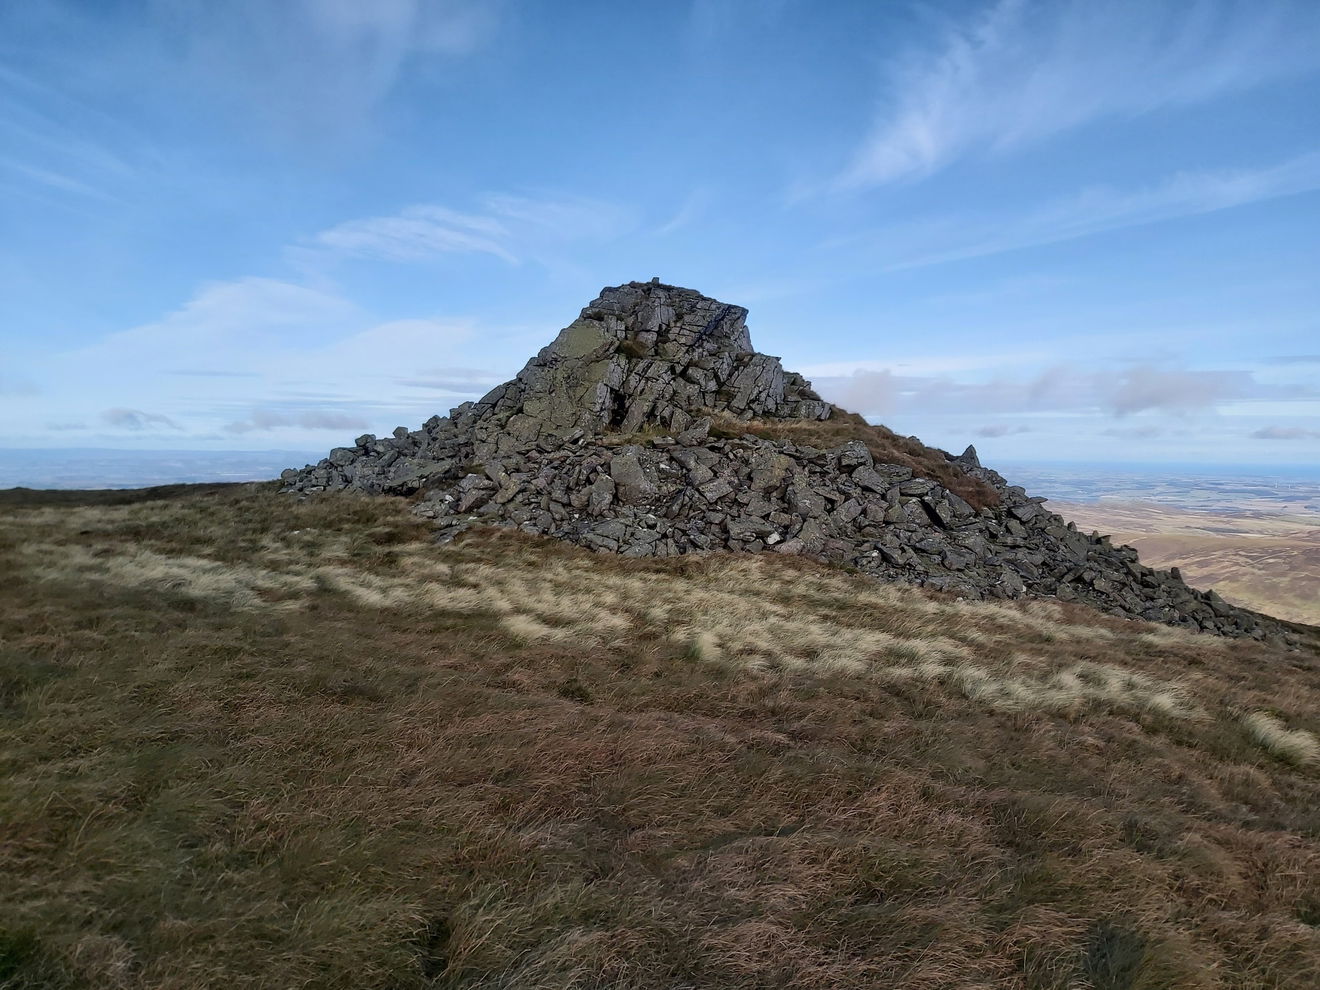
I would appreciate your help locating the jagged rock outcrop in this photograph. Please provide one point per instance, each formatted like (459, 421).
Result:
(639, 355)
(605, 439)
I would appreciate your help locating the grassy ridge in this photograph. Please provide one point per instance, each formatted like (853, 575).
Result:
(250, 742)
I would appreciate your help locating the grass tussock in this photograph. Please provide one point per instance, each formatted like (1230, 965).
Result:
(1294, 745)
(884, 444)
(253, 742)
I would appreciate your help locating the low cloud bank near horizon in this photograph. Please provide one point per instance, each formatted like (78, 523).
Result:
(1117, 392)
(269, 419)
(137, 420)
(1285, 433)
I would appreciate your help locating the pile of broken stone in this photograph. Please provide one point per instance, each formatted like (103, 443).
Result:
(604, 439)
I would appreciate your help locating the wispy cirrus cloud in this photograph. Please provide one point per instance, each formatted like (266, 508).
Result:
(696, 203)
(313, 68)
(418, 232)
(1023, 71)
(1091, 211)
(59, 143)
(304, 73)
(508, 227)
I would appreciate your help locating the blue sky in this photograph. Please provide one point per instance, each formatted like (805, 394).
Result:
(1061, 230)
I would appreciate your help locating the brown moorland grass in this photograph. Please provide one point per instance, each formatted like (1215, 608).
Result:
(884, 444)
(252, 742)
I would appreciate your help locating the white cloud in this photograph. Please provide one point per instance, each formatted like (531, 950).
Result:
(1001, 430)
(229, 326)
(871, 393)
(50, 178)
(453, 380)
(1171, 390)
(1023, 71)
(246, 356)
(265, 419)
(926, 364)
(1133, 432)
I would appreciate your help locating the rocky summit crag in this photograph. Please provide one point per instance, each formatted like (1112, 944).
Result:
(650, 427)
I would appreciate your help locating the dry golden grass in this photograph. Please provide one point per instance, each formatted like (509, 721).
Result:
(1295, 745)
(884, 444)
(251, 742)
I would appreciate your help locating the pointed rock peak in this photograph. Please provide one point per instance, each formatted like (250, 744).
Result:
(670, 320)
(644, 354)
(968, 457)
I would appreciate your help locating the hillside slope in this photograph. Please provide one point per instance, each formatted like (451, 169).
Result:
(1264, 560)
(255, 742)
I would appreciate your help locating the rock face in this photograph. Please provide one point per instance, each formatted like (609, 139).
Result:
(604, 439)
(641, 355)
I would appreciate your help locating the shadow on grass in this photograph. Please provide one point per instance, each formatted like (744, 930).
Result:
(29, 498)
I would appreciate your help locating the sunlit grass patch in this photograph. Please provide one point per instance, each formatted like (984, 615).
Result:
(529, 629)
(230, 585)
(1293, 745)
(1062, 691)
